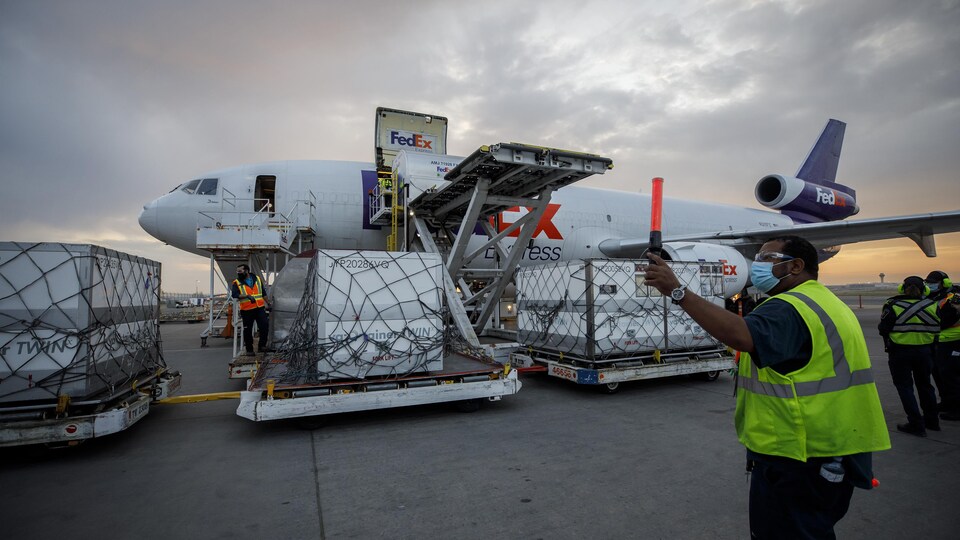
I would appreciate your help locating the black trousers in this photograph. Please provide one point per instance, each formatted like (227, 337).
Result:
(911, 365)
(789, 499)
(258, 315)
(947, 364)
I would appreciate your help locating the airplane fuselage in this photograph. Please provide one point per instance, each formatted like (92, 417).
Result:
(575, 223)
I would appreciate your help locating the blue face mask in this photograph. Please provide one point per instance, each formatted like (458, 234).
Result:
(761, 275)
(934, 287)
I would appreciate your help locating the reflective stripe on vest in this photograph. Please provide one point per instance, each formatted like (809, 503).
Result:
(842, 379)
(917, 322)
(830, 406)
(254, 291)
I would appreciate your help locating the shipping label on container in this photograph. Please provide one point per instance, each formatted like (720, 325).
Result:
(381, 347)
(364, 336)
(44, 350)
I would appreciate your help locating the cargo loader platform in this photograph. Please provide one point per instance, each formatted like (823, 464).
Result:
(66, 423)
(463, 379)
(492, 179)
(610, 372)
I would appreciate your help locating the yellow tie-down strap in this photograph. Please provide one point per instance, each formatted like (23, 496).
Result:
(198, 398)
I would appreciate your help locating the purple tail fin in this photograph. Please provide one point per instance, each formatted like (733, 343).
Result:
(820, 167)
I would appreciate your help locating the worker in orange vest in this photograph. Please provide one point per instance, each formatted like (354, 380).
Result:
(250, 290)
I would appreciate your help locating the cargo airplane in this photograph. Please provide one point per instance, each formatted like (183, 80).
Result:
(579, 222)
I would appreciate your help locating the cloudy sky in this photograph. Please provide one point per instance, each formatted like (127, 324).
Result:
(105, 105)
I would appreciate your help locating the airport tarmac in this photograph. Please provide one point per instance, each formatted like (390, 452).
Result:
(659, 459)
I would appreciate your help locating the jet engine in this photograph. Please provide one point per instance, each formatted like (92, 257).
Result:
(736, 268)
(804, 201)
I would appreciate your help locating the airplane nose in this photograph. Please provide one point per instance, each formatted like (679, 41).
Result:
(148, 219)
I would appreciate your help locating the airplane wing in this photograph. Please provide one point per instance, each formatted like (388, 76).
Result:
(920, 228)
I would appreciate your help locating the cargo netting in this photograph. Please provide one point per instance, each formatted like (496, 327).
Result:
(76, 320)
(361, 314)
(601, 310)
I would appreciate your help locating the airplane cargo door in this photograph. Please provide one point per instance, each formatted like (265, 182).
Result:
(264, 194)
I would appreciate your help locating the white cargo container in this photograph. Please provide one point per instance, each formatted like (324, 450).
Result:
(423, 172)
(600, 309)
(373, 313)
(79, 342)
(76, 320)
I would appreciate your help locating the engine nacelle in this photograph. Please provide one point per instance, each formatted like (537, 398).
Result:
(736, 269)
(804, 201)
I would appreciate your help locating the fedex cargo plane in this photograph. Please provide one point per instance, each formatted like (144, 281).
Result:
(579, 222)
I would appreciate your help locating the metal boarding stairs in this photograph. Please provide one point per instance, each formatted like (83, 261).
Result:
(492, 179)
(235, 233)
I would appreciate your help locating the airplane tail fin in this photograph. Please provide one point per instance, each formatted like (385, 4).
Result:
(813, 194)
(821, 164)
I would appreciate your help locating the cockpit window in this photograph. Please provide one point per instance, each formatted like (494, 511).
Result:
(191, 187)
(207, 187)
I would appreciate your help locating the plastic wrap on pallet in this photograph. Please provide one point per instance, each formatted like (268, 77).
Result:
(75, 319)
(363, 314)
(285, 296)
(598, 309)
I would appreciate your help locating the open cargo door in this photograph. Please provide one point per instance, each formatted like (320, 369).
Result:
(411, 131)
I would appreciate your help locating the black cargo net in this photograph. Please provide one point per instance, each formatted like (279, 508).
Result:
(600, 310)
(364, 315)
(76, 320)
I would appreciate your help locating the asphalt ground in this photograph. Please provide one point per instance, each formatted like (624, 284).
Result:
(659, 459)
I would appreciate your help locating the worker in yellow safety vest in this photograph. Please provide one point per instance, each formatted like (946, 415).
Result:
(909, 325)
(386, 189)
(249, 289)
(808, 410)
(946, 360)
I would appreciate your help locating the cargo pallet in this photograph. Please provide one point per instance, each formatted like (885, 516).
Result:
(243, 366)
(608, 373)
(69, 423)
(463, 379)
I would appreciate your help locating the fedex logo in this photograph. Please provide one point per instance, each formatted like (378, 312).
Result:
(728, 269)
(416, 141)
(545, 225)
(442, 170)
(829, 196)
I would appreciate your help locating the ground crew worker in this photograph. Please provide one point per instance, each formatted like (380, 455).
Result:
(386, 189)
(909, 325)
(808, 411)
(249, 289)
(946, 360)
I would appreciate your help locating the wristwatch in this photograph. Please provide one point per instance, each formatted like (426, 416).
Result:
(677, 295)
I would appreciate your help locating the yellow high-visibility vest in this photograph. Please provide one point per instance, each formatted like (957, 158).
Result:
(828, 408)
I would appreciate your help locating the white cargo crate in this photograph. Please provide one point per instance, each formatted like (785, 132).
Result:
(75, 319)
(365, 314)
(597, 309)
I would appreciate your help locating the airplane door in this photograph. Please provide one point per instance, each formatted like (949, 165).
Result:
(265, 194)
